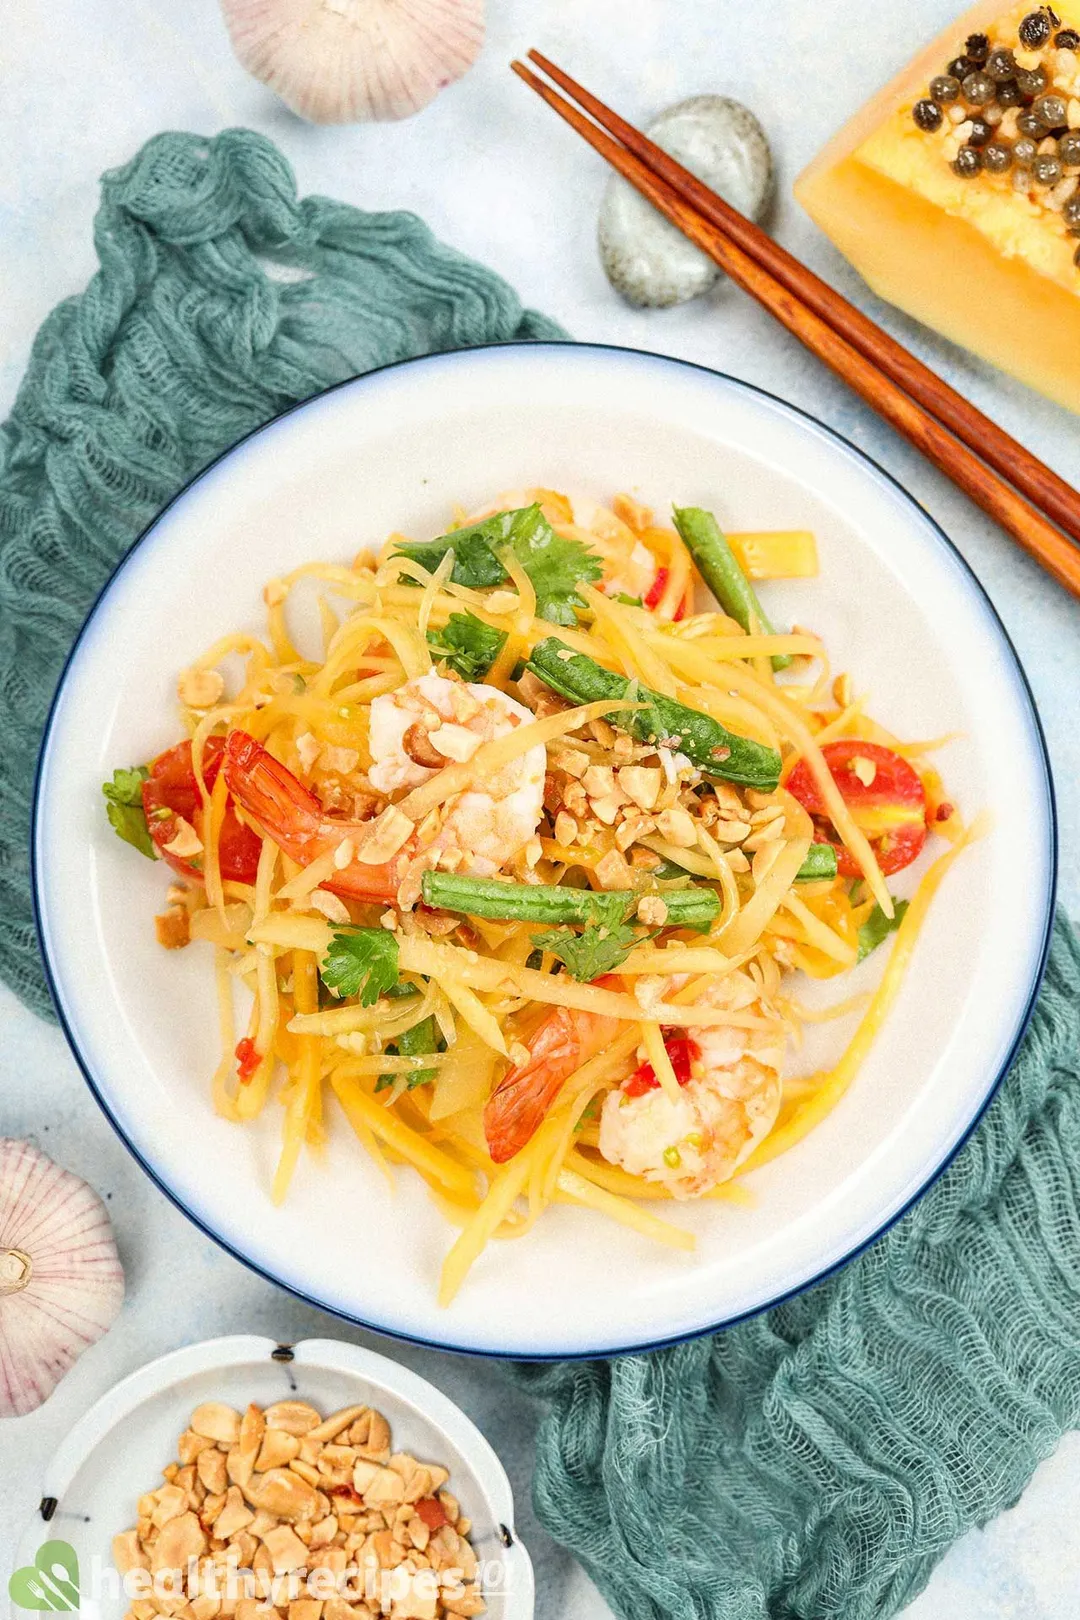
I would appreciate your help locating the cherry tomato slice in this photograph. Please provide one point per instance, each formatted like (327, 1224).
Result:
(890, 807)
(680, 1049)
(171, 786)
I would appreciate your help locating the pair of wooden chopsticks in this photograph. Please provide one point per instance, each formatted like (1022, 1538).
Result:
(1027, 498)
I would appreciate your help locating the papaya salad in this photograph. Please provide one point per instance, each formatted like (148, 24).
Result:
(523, 868)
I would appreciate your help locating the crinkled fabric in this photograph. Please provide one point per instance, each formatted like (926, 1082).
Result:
(221, 299)
(815, 1463)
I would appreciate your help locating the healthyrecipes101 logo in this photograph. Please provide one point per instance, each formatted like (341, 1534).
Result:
(50, 1582)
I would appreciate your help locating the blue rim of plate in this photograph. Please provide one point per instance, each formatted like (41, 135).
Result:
(971, 578)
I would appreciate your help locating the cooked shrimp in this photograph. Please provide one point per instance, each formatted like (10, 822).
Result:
(431, 721)
(415, 731)
(563, 1042)
(730, 1093)
(291, 815)
(729, 1097)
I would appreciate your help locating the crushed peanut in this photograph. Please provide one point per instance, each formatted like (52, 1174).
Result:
(200, 688)
(185, 841)
(269, 1513)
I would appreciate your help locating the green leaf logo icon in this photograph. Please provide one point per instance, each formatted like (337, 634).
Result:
(50, 1582)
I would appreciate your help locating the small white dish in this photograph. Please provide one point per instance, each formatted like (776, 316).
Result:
(117, 1451)
(897, 607)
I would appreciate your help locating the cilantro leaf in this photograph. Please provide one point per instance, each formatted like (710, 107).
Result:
(124, 808)
(555, 566)
(468, 645)
(361, 962)
(878, 927)
(598, 949)
(421, 1039)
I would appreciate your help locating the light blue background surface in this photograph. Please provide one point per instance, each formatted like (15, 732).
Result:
(492, 171)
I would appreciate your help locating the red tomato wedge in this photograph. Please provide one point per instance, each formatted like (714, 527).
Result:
(680, 1049)
(882, 791)
(171, 786)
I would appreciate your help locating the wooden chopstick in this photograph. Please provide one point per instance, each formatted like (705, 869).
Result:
(1025, 471)
(969, 471)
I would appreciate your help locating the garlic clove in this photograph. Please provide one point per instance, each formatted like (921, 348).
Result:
(61, 1283)
(350, 61)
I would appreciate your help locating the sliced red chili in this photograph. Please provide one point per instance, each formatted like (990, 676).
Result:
(657, 588)
(247, 1059)
(680, 1049)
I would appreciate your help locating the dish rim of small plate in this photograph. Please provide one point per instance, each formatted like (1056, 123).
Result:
(935, 530)
(227, 1351)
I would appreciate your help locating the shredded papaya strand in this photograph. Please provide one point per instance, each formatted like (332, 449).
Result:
(503, 1193)
(792, 723)
(280, 641)
(617, 628)
(757, 644)
(581, 1189)
(620, 1181)
(306, 1077)
(657, 1054)
(678, 586)
(384, 1123)
(428, 595)
(724, 875)
(749, 924)
(819, 933)
(224, 1101)
(837, 727)
(836, 1082)
(213, 819)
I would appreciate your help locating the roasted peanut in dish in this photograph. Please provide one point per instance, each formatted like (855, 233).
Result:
(281, 1512)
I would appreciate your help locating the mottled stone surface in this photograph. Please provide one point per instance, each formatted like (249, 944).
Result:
(647, 258)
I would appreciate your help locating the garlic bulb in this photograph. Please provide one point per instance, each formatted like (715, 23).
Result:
(347, 61)
(61, 1283)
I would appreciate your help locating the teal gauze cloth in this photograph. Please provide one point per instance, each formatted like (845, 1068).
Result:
(814, 1462)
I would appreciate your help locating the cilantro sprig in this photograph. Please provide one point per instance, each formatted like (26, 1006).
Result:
(598, 949)
(554, 565)
(124, 808)
(361, 962)
(467, 644)
(877, 928)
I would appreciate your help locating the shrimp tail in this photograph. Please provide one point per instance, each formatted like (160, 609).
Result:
(273, 797)
(291, 816)
(520, 1102)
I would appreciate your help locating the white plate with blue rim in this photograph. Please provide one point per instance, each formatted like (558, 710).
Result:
(397, 450)
(91, 1487)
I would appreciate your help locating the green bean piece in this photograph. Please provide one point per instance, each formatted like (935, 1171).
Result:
(820, 862)
(500, 901)
(705, 541)
(668, 724)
